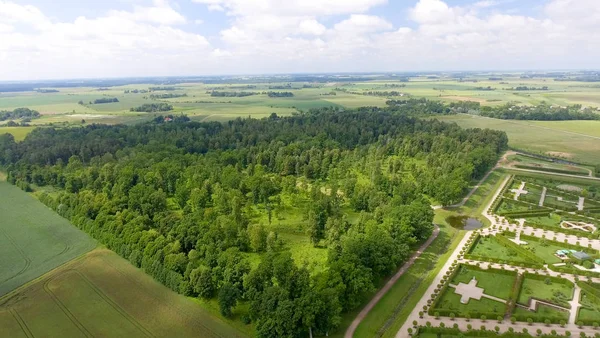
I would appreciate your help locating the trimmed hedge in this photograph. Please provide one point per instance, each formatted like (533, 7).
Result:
(557, 229)
(590, 290)
(573, 271)
(525, 214)
(499, 198)
(552, 170)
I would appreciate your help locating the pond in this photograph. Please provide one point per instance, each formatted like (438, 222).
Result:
(464, 222)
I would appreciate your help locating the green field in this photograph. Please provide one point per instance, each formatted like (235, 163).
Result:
(18, 132)
(102, 295)
(567, 139)
(547, 290)
(33, 239)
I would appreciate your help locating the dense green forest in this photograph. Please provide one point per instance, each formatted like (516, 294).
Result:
(19, 113)
(185, 201)
(105, 100)
(153, 107)
(280, 94)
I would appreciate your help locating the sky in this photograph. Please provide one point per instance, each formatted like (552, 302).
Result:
(65, 39)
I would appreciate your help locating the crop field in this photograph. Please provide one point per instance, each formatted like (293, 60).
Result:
(102, 295)
(33, 239)
(572, 140)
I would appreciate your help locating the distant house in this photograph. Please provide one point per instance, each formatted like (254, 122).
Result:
(168, 119)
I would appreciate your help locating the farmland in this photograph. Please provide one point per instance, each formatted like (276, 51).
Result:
(33, 239)
(573, 140)
(103, 295)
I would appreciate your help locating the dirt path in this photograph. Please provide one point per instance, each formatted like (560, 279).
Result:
(350, 331)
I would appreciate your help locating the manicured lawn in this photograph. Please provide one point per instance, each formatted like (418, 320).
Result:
(556, 293)
(543, 313)
(494, 284)
(451, 301)
(545, 249)
(552, 220)
(590, 307)
(491, 248)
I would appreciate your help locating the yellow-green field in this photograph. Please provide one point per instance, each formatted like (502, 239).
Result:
(102, 295)
(33, 239)
(574, 140)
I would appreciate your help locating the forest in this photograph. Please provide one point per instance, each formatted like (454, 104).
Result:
(153, 107)
(215, 93)
(280, 94)
(105, 100)
(182, 200)
(19, 113)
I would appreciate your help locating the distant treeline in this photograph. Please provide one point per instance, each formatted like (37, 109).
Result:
(105, 100)
(166, 96)
(215, 93)
(162, 88)
(135, 91)
(541, 112)
(19, 113)
(383, 93)
(153, 107)
(280, 94)
(520, 88)
(417, 107)
(488, 88)
(46, 91)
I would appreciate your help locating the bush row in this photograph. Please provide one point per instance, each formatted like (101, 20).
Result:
(499, 198)
(551, 170)
(573, 271)
(524, 214)
(557, 229)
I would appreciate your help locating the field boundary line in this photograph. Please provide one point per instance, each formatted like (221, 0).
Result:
(64, 309)
(182, 313)
(52, 273)
(21, 253)
(113, 304)
(21, 323)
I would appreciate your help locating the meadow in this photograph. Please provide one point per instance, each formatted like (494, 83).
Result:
(103, 295)
(33, 239)
(560, 139)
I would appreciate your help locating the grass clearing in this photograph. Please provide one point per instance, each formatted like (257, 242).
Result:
(18, 132)
(490, 247)
(33, 239)
(87, 295)
(547, 290)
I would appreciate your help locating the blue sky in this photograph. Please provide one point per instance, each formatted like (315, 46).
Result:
(112, 38)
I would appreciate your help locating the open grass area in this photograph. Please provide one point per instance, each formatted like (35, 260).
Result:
(33, 239)
(391, 311)
(547, 290)
(18, 132)
(569, 138)
(451, 301)
(494, 283)
(102, 295)
(543, 312)
(490, 247)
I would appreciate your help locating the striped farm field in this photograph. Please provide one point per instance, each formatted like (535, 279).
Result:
(33, 239)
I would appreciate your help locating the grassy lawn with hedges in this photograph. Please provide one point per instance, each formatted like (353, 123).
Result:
(546, 289)
(494, 284)
(490, 247)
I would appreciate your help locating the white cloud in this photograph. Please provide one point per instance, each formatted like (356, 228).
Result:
(161, 13)
(298, 36)
(311, 27)
(121, 43)
(198, 21)
(358, 23)
(292, 7)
